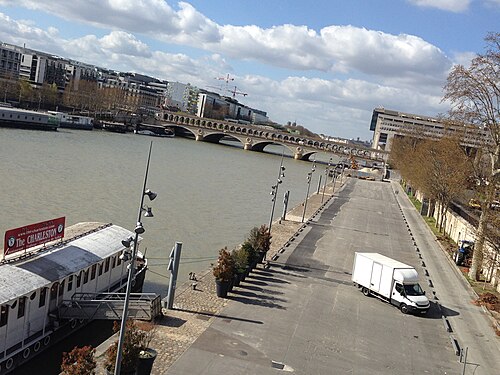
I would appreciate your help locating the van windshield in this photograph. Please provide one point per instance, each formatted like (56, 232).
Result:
(413, 290)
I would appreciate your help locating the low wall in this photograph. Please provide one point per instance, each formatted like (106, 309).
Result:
(457, 228)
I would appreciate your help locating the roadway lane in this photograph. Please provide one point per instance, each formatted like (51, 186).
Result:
(471, 326)
(305, 314)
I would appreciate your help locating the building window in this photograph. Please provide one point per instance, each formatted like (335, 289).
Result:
(4, 315)
(22, 307)
(43, 297)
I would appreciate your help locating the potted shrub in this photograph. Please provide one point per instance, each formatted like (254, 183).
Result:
(133, 343)
(147, 355)
(252, 256)
(240, 259)
(223, 271)
(260, 239)
(79, 361)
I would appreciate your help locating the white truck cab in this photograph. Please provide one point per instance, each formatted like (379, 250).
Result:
(389, 280)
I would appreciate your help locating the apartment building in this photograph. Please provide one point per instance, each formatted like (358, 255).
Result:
(10, 60)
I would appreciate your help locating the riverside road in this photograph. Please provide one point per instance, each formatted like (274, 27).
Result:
(305, 315)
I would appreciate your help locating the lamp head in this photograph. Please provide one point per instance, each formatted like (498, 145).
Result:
(149, 212)
(151, 194)
(127, 242)
(139, 229)
(125, 256)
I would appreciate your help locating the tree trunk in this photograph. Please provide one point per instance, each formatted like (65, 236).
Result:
(477, 255)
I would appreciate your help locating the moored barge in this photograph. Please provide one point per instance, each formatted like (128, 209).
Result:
(36, 284)
(23, 119)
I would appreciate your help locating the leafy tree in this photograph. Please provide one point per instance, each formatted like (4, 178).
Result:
(474, 94)
(25, 91)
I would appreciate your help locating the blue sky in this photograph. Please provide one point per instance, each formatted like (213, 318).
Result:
(324, 63)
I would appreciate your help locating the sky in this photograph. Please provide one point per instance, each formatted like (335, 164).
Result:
(324, 64)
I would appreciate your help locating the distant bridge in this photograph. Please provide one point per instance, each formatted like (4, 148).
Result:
(256, 137)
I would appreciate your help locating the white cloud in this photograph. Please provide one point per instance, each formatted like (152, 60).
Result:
(397, 71)
(124, 43)
(333, 48)
(456, 6)
(464, 58)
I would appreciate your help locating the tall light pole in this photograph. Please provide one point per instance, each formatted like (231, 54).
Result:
(139, 229)
(327, 172)
(309, 177)
(274, 189)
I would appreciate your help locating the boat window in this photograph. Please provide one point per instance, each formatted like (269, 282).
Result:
(113, 262)
(118, 261)
(79, 280)
(85, 276)
(70, 283)
(43, 297)
(106, 265)
(4, 315)
(53, 291)
(61, 289)
(92, 273)
(100, 269)
(22, 307)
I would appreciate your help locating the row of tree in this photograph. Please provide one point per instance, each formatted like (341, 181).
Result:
(81, 96)
(443, 170)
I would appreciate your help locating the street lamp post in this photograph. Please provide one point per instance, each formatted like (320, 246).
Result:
(327, 172)
(139, 229)
(274, 190)
(309, 177)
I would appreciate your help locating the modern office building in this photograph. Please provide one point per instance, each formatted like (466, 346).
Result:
(387, 124)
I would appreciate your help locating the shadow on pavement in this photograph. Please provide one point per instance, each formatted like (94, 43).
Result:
(220, 316)
(449, 312)
(257, 300)
(266, 279)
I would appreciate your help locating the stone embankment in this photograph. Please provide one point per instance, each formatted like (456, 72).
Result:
(194, 309)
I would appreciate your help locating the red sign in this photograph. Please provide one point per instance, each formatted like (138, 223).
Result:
(34, 234)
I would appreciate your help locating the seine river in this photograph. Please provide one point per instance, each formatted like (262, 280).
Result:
(209, 195)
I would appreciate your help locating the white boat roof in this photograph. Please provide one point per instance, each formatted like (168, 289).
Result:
(23, 111)
(22, 277)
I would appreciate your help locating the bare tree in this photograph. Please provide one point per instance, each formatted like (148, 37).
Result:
(474, 94)
(442, 173)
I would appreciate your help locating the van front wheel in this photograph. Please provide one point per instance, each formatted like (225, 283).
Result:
(404, 308)
(365, 291)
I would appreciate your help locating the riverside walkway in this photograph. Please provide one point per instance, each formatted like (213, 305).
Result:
(303, 315)
(195, 309)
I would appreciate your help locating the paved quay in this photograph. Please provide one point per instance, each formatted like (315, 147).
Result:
(304, 315)
(195, 309)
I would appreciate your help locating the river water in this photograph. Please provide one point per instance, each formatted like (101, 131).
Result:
(209, 195)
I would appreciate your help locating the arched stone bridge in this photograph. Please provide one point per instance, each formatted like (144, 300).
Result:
(256, 138)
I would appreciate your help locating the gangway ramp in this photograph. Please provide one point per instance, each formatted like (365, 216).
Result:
(109, 306)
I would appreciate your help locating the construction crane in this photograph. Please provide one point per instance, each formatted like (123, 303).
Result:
(227, 78)
(236, 92)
